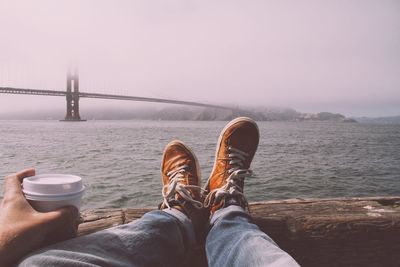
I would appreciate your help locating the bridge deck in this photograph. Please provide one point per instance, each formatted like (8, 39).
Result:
(21, 91)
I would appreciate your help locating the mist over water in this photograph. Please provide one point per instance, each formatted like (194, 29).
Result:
(338, 56)
(120, 160)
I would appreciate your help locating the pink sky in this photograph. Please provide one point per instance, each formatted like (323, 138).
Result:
(312, 55)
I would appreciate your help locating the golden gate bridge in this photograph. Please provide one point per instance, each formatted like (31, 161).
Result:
(73, 95)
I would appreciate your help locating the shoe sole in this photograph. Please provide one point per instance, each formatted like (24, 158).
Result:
(239, 119)
(177, 142)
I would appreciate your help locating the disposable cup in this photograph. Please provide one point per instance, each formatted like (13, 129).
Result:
(47, 192)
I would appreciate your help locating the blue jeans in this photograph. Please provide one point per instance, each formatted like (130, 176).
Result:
(163, 238)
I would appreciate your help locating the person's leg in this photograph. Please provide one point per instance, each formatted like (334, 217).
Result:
(157, 239)
(233, 239)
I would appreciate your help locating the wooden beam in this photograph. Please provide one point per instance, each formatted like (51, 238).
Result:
(316, 232)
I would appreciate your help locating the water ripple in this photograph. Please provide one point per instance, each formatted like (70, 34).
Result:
(119, 160)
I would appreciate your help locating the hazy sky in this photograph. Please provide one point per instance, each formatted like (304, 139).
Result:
(312, 55)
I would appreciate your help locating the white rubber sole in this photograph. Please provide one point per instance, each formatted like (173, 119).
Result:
(177, 142)
(219, 143)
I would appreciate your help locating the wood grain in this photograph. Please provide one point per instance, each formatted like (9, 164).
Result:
(316, 232)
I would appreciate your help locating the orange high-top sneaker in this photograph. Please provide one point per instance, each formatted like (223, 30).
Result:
(236, 147)
(181, 178)
(181, 190)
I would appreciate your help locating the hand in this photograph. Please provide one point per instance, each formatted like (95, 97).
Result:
(23, 229)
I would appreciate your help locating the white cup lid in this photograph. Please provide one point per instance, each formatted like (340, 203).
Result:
(52, 184)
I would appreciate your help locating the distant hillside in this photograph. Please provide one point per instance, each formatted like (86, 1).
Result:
(383, 120)
(260, 114)
(187, 113)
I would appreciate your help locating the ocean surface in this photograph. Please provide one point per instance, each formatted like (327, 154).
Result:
(120, 160)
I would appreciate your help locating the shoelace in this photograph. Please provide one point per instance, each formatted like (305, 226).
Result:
(176, 177)
(236, 177)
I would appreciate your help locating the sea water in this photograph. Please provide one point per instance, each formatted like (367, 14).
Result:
(119, 161)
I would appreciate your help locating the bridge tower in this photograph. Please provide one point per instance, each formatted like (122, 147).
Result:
(72, 96)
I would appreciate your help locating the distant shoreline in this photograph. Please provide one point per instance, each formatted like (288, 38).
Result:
(186, 114)
(138, 119)
(201, 114)
(149, 120)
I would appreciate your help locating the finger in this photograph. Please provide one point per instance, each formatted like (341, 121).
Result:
(12, 183)
(61, 224)
(66, 216)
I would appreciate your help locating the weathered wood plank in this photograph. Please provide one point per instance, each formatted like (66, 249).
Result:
(316, 232)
